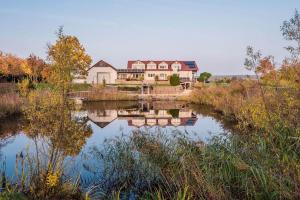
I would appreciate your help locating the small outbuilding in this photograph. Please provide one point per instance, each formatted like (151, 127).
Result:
(102, 72)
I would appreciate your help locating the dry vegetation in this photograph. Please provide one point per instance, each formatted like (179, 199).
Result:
(10, 102)
(275, 98)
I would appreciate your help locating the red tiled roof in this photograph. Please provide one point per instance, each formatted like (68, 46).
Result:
(184, 66)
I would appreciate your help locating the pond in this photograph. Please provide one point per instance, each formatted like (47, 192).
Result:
(106, 121)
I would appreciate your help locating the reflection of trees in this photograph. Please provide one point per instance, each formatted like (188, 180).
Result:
(48, 118)
(56, 134)
(208, 111)
(8, 128)
(174, 113)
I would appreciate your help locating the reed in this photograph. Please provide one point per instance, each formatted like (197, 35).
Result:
(256, 104)
(10, 103)
(151, 165)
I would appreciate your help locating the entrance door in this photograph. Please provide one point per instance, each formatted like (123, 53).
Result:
(103, 76)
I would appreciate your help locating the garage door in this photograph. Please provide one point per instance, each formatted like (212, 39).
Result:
(101, 76)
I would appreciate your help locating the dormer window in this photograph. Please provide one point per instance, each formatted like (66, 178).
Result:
(163, 65)
(151, 65)
(138, 65)
(176, 66)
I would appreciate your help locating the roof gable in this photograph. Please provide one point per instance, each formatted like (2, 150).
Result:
(102, 63)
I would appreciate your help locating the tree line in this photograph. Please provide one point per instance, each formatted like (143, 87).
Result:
(14, 68)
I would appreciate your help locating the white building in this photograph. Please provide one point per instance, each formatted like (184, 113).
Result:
(161, 70)
(102, 72)
(147, 71)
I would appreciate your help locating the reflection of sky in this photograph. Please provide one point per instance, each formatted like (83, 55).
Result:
(204, 129)
(18, 143)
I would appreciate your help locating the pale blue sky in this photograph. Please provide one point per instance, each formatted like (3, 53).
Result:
(214, 33)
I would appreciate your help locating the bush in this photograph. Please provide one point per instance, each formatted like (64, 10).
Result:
(204, 77)
(128, 88)
(24, 86)
(174, 80)
(174, 113)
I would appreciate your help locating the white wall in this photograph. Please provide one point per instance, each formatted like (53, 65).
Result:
(182, 74)
(79, 80)
(92, 74)
(176, 66)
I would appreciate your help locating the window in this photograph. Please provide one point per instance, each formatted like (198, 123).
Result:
(151, 75)
(151, 65)
(176, 66)
(163, 67)
(162, 76)
(138, 65)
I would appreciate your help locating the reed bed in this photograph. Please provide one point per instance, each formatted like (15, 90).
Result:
(150, 165)
(10, 103)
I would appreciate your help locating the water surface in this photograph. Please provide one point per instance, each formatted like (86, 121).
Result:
(108, 120)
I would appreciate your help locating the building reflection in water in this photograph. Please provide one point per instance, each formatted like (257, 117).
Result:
(144, 114)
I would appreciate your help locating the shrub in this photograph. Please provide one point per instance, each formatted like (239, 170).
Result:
(174, 80)
(128, 88)
(24, 86)
(174, 113)
(204, 77)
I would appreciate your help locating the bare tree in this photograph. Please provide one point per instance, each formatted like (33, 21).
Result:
(253, 63)
(291, 31)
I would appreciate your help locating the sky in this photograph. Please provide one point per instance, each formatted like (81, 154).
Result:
(214, 33)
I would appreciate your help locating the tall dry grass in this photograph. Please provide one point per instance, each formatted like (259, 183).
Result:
(10, 103)
(150, 165)
(256, 104)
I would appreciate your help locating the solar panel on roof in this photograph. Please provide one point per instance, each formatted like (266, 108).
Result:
(190, 64)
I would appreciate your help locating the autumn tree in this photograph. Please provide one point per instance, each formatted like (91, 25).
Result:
(11, 65)
(291, 32)
(67, 58)
(54, 139)
(36, 66)
(254, 62)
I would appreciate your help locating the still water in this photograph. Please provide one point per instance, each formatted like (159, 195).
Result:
(108, 120)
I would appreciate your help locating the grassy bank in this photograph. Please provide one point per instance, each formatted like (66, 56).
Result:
(101, 93)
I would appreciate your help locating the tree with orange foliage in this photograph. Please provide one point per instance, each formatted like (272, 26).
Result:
(36, 66)
(11, 65)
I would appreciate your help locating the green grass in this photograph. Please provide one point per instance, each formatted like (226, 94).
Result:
(80, 87)
(74, 87)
